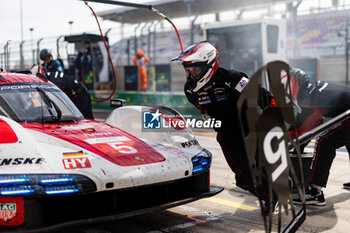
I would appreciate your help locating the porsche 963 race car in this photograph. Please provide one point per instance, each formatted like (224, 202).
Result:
(53, 160)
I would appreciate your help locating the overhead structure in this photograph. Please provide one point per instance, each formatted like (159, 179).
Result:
(177, 9)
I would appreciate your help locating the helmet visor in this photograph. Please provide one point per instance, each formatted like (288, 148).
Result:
(196, 72)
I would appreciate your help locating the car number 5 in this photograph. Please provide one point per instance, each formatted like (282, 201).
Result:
(271, 156)
(118, 146)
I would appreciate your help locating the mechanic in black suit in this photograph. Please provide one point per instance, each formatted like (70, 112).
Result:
(74, 90)
(215, 92)
(316, 101)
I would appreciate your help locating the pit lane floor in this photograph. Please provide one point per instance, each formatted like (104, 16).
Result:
(235, 210)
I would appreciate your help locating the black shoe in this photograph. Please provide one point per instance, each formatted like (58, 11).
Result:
(266, 208)
(346, 185)
(313, 196)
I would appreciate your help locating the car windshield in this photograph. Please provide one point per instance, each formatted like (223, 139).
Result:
(43, 103)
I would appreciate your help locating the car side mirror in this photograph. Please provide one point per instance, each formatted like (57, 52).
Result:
(116, 103)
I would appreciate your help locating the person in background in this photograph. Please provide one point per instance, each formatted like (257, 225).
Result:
(140, 60)
(74, 90)
(215, 92)
(316, 101)
(53, 68)
(84, 68)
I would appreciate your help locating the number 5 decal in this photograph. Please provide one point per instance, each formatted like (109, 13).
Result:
(272, 157)
(120, 147)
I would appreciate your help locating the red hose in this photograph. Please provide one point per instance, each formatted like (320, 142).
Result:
(177, 33)
(150, 7)
(109, 58)
(105, 43)
(155, 11)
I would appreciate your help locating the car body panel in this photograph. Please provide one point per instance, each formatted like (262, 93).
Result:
(117, 158)
(53, 147)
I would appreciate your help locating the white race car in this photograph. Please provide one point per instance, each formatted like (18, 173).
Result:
(58, 169)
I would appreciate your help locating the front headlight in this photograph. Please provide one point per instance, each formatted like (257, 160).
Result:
(201, 162)
(44, 184)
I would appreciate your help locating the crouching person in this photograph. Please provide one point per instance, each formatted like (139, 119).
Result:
(215, 92)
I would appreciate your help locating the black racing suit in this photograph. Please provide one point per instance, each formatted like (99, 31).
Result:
(218, 98)
(74, 90)
(316, 101)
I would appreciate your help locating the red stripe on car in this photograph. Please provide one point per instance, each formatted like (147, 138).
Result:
(111, 143)
(20, 78)
(7, 135)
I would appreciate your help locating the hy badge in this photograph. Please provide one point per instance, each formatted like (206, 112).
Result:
(75, 160)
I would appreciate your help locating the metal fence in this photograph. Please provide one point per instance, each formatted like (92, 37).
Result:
(22, 55)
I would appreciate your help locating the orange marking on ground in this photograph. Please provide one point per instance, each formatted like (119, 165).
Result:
(198, 220)
(205, 133)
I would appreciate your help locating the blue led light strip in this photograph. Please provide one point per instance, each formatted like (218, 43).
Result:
(58, 180)
(17, 192)
(63, 191)
(18, 180)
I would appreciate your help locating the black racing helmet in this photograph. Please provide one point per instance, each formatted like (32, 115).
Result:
(45, 54)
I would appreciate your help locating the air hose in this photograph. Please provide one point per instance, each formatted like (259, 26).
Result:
(150, 7)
